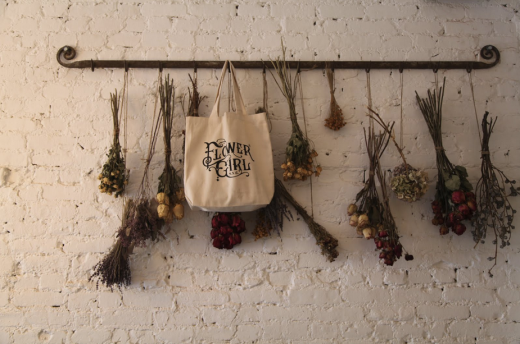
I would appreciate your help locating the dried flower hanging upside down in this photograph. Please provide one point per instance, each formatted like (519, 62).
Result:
(300, 157)
(453, 188)
(335, 121)
(114, 176)
(493, 209)
(170, 193)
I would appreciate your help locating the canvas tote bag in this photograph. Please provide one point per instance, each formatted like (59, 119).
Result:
(228, 165)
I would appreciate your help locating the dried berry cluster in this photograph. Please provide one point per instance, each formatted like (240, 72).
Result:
(114, 176)
(452, 181)
(335, 121)
(226, 229)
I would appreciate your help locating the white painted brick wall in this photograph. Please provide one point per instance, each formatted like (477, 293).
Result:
(55, 225)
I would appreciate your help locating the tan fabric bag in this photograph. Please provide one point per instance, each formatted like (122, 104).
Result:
(229, 161)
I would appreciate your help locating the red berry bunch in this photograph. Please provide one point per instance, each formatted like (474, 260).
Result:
(226, 229)
(463, 206)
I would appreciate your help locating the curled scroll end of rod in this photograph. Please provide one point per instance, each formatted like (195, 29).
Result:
(490, 51)
(68, 54)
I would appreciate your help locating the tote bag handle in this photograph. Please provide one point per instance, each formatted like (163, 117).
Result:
(239, 103)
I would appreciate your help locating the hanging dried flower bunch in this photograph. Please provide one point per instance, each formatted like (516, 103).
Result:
(226, 229)
(335, 120)
(371, 214)
(324, 239)
(271, 218)
(493, 209)
(114, 269)
(300, 157)
(140, 223)
(408, 183)
(454, 201)
(114, 176)
(170, 194)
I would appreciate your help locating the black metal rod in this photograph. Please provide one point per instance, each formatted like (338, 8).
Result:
(488, 52)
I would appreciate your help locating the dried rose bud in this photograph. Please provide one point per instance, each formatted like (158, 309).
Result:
(472, 205)
(178, 211)
(383, 234)
(181, 197)
(363, 220)
(459, 229)
(444, 230)
(354, 220)
(351, 209)
(469, 195)
(162, 198)
(284, 166)
(162, 210)
(458, 197)
(367, 233)
(464, 210)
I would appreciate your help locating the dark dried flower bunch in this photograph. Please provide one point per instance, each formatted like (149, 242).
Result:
(371, 214)
(324, 239)
(493, 209)
(300, 157)
(335, 121)
(226, 229)
(141, 224)
(114, 176)
(271, 217)
(454, 201)
(114, 269)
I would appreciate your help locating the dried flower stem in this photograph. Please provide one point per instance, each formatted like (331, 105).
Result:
(493, 207)
(324, 239)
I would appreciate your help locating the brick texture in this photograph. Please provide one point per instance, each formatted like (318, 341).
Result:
(55, 127)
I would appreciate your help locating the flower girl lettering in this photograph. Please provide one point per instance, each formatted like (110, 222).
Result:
(228, 159)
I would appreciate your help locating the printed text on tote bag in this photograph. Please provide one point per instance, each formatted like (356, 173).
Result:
(228, 159)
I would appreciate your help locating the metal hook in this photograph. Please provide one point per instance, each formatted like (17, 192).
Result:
(126, 67)
(263, 70)
(298, 70)
(194, 67)
(435, 70)
(229, 67)
(367, 70)
(92, 64)
(332, 66)
(401, 69)
(468, 70)
(160, 66)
